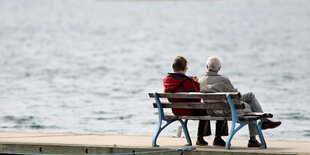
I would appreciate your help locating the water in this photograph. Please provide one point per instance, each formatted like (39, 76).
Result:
(86, 66)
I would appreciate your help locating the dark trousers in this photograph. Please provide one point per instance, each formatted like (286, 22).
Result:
(204, 127)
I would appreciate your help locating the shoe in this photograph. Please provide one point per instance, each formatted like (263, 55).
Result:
(201, 142)
(219, 142)
(270, 124)
(254, 143)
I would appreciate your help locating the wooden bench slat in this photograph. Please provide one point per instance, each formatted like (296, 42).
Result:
(197, 95)
(248, 118)
(198, 105)
(219, 101)
(198, 117)
(242, 118)
(261, 114)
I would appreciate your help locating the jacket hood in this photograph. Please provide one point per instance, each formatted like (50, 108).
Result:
(173, 81)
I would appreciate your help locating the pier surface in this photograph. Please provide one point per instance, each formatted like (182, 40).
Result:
(52, 143)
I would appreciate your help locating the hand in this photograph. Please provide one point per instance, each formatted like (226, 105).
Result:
(195, 78)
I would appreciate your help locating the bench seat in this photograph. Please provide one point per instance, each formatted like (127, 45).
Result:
(212, 101)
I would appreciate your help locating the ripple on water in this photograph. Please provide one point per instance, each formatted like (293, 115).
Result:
(25, 122)
(307, 133)
(149, 123)
(113, 118)
(294, 116)
(101, 112)
(18, 120)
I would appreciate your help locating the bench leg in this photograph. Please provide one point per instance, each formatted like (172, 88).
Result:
(186, 133)
(159, 129)
(260, 133)
(233, 131)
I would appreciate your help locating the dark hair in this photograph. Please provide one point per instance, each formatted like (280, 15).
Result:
(179, 64)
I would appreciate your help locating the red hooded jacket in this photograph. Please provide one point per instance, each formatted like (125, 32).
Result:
(178, 82)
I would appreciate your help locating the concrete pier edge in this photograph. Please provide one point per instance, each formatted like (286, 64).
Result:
(49, 143)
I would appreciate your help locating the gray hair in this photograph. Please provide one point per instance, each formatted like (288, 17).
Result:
(213, 63)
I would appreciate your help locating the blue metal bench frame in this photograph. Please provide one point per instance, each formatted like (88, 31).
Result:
(235, 120)
(233, 130)
(162, 117)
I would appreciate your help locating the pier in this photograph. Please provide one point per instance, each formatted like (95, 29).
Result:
(54, 143)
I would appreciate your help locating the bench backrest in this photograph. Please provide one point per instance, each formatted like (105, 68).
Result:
(215, 101)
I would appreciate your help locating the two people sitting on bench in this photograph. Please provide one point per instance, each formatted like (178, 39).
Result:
(211, 82)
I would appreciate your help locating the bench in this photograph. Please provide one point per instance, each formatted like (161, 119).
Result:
(214, 101)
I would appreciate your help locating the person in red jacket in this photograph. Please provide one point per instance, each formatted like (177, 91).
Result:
(179, 82)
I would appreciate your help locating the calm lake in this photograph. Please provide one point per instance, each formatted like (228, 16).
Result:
(86, 66)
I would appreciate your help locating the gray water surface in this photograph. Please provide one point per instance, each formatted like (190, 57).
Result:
(86, 66)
